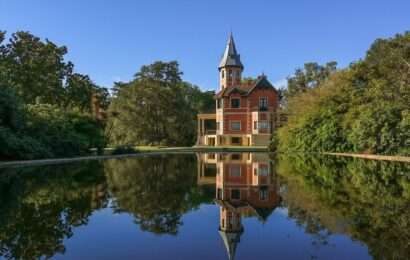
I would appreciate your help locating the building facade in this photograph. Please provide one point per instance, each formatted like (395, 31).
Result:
(245, 111)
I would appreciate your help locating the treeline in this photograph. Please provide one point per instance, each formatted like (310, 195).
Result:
(47, 109)
(364, 108)
(365, 199)
(156, 108)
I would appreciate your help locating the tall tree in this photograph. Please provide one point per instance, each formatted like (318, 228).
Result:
(311, 76)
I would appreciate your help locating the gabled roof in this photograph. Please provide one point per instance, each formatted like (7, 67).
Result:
(231, 58)
(261, 83)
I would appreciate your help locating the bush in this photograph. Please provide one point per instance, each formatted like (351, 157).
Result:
(44, 131)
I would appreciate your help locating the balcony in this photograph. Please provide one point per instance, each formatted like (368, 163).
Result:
(210, 132)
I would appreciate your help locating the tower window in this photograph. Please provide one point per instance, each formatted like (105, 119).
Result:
(223, 74)
(230, 73)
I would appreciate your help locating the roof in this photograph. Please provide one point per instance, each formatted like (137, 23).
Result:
(245, 89)
(231, 240)
(231, 57)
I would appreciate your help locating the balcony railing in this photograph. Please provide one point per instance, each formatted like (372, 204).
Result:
(210, 132)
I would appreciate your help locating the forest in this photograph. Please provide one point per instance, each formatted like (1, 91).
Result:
(46, 106)
(364, 108)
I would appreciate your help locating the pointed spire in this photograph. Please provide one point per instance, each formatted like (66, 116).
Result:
(231, 56)
(231, 240)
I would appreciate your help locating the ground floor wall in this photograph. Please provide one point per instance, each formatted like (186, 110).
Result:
(235, 140)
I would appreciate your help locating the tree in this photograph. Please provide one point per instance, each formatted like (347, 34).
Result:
(157, 107)
(311, 76)
(38, 73)
(79, 91)
(363, 108)
(35, 68)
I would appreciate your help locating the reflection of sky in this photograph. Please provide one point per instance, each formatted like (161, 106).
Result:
(108, 237)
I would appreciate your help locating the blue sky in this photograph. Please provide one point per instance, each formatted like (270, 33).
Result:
(110, 40)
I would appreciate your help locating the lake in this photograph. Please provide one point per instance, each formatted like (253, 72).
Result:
(207, 206)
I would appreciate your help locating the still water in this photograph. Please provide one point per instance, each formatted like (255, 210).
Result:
(207, 206)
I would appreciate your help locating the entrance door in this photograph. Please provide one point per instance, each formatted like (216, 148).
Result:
(211, 141)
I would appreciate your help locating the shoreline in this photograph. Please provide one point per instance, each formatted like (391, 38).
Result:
(183, 150)
(143, 152)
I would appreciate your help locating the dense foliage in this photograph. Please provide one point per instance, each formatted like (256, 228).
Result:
(41, 206)
(157, 107)
(363, 108)
(44, 130)
(45, 108)
(368, 200)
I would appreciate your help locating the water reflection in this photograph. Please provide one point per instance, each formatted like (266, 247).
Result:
(367, 201)
(245, 186)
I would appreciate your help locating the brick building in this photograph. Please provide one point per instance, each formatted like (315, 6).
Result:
(245, 111)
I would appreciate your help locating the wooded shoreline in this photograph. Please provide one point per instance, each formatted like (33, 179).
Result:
(176, 150)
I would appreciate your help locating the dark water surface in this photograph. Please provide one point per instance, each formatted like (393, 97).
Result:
(207, 206)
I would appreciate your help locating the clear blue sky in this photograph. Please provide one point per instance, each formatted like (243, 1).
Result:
(110, 40)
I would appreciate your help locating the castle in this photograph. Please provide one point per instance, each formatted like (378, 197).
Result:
(245, 110)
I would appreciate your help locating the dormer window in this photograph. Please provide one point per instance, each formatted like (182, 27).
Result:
(263, 104)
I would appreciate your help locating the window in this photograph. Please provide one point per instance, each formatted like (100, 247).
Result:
(235, 103)
(263, 193)
(236, 156)
(263, 125)
(236, 140)
(263, 170)
(235, 194)
(263, 103)
(255, 125)
(223, 74)
(236, 125)
(218, 103)
(235, 170)
(230, 73)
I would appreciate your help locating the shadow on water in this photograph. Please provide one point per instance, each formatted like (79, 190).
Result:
(367, 200)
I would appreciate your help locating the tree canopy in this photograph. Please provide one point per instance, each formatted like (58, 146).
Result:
(363, 108)
(157, 107)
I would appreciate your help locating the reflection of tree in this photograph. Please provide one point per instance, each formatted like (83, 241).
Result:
(157, 190)
(369, 200)
(40, 206)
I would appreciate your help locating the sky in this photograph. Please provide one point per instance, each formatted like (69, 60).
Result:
(111, 39)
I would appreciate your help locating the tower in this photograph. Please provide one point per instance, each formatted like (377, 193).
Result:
(230, 67)
(230, 229)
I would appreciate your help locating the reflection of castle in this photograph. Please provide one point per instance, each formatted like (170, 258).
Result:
(245, 186)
